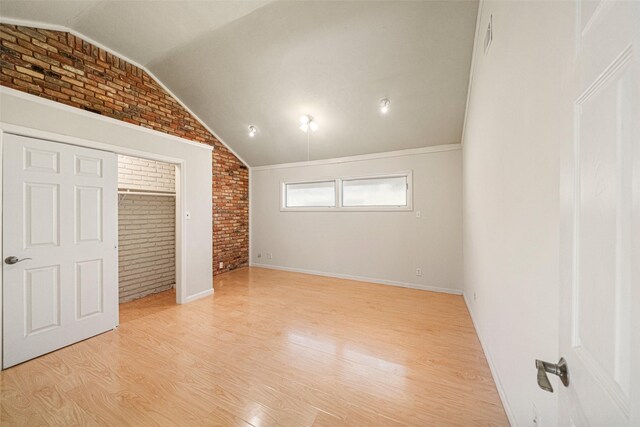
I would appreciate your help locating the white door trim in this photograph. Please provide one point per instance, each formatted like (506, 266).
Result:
(181, 244)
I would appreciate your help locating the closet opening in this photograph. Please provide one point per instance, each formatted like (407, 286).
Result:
(146, 228)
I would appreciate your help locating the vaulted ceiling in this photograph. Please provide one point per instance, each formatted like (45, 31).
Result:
(261, 63)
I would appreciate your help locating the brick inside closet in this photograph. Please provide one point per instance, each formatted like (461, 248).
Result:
(146, 227)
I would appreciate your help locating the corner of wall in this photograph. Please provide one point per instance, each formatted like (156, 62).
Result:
(492, 366)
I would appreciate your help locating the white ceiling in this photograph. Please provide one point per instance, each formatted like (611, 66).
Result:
(241, 63)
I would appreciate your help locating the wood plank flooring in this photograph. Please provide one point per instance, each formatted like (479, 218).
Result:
(268, 348)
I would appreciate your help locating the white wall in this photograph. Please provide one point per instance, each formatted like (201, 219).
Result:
(519, 112)
(46, 116)
(385, 247)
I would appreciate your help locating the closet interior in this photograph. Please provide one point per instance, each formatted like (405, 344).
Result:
(146, 227)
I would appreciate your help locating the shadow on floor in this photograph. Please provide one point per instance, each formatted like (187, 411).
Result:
(147, 306)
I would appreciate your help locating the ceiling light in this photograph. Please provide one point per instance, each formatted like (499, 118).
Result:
(307, 122)
(384, 105)
(252, 131)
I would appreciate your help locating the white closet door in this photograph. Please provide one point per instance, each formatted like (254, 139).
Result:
(60, 222)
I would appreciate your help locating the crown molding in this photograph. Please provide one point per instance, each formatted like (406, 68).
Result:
(471, 69)
(363, 157)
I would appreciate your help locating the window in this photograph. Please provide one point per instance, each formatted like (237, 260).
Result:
(386, 191)
(310, 194)
(365, 193)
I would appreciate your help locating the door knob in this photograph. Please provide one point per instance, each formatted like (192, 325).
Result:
(559, 369)
(14, 260)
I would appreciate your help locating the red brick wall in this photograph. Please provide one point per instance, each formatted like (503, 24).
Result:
(61, 67)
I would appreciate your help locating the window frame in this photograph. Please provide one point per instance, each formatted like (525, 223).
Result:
(283, 195)
(338, 182)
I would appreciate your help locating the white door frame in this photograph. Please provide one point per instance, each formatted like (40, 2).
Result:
(180, 166)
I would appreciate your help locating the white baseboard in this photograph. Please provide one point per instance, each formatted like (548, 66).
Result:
(492, 367)
(362, 279)
(199, 295)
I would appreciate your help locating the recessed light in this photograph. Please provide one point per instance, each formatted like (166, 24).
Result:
(384, 105)
(307, 122)
(252, 131)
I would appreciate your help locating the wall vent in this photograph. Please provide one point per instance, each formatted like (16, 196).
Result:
(488, 36)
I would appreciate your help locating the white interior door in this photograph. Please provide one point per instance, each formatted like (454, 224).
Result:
(60, 221)
(600, 227)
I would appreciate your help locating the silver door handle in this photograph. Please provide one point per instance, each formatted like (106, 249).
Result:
(560, 369)
(14, 260)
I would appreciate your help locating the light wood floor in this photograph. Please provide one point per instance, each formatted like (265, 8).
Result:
(269, 348)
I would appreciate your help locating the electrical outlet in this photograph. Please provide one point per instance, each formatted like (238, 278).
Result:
(418, 272)
(269, 255)
(221, 265)
(187, 215)
(536, 417)
(418, 214)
